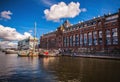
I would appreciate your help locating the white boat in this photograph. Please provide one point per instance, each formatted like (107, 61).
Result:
(11, 52)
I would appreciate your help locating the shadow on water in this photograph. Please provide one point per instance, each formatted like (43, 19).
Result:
(57, 69)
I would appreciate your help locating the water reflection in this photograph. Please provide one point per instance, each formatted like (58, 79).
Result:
(21, 69)
(47, 61)
(57, 69)
(84, 69)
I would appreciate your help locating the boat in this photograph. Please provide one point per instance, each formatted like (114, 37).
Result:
(49, 53)
(33, 54)
(23, 53)
(11, 51)
(27, 53)
(30, 52)
(3, 50)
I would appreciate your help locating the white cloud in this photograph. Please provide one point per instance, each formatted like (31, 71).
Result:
(6, 15)
(30, 31)
(47, 2)
(62, 10)
(8, 44)
(83, 9)
(8, 33)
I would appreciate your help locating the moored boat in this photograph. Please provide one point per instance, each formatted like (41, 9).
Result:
(27, 53)
(11, 52)
(33, 54)
(30, 52)
(23, 53)
(49, 53)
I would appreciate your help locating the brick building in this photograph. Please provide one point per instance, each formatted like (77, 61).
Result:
(98, 34)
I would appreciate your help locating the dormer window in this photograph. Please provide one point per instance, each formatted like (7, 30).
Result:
(85, 25)
(94, 22)
(99, 23)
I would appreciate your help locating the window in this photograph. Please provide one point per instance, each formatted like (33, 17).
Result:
(81, 39)
(112, 17)
(71, 40)
(85, 39)
(90, 38)
(85, 25)
(100, 37)
(114, 23)
(77, 40)
(95, 38)
(108, 37)
(94, 22)
(67, 43)
(65, 40)
(115, 36)
(88, 24)
(99, 23)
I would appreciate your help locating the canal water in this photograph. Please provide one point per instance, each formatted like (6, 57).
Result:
(57, 69)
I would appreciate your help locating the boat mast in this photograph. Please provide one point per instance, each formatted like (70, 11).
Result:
(34, 37)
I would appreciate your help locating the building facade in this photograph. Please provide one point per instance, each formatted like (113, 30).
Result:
(98, 34)
(28, 43)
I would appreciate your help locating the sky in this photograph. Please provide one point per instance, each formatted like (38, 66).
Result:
(17, 17)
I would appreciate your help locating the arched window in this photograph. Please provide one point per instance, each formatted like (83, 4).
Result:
(81, 39)
(115, 35)
(108, 37)
(85, 39)
(90, 38)
(95, 38)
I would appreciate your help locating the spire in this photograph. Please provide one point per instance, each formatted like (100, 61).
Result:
(66, 24)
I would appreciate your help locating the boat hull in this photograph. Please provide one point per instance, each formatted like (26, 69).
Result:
(22, 55)
(35, 54)
(49, 55)
(11, 52)
(27, 55)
